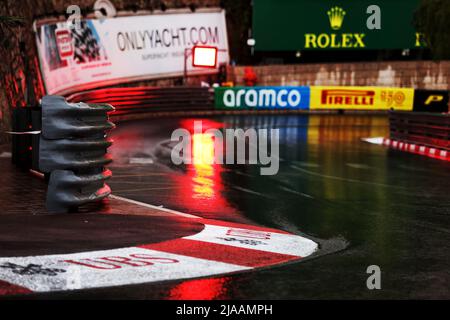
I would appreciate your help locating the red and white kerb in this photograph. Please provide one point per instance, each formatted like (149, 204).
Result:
(412, 148)
(220, 248)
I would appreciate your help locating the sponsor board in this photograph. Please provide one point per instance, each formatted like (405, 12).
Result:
(123, 49)
(262, 98)
(431, 100)
(335, 25)
(361, 98)
(220, 248)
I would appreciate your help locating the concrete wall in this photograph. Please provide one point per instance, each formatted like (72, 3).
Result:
(416, 74)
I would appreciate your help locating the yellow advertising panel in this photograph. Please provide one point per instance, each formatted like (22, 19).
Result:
(361, 98)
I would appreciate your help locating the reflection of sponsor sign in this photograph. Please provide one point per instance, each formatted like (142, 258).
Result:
(362, 98)
(262, 97)
(64, 42)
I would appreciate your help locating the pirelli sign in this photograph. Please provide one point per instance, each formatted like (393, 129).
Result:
(361, 98)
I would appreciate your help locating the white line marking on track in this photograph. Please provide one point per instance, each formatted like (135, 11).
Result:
(141, 161)
(343, 179)
(296, 192)
(306, 164)
(146, 189)
(250, 191)
(357, 165)
(178, 213)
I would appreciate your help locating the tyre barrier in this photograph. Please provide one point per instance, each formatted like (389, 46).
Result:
(70, 149)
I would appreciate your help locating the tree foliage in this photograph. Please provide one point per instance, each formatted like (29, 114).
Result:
(7, 25)
(432, 18)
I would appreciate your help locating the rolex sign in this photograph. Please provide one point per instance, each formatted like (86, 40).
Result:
(334, 24)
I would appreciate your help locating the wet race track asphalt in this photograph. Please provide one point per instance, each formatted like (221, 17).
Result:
(364, 204)
(391, 208)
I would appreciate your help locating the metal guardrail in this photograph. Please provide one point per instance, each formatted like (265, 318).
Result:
(150, 99)
(429, 129)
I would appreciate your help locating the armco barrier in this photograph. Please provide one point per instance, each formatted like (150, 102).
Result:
(149, 99)
(174, 99)
(72, 150)
(427, 129)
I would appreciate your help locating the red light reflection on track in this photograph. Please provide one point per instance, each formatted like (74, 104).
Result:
(202, 185)
(202, 289)
(204, 171)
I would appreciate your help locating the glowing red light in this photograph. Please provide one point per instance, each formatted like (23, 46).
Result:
(203, 289)
(204, 56)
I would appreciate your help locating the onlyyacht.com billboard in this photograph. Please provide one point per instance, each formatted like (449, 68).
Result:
(122, 49)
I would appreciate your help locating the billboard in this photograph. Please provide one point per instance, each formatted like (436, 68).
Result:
(361, 98)
(431, 100)
(123, 49)
(262, 98)
(291, 25)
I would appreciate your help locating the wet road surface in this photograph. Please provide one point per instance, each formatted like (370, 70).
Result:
(391, 208)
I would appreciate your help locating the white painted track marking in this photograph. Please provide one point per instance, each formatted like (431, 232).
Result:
(178, 213)
(265, 241)
(220, 248)
(108, 268)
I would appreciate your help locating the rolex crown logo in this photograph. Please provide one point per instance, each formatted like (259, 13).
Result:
(336, 16)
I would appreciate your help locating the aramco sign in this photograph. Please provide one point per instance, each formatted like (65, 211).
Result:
(262, 97)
